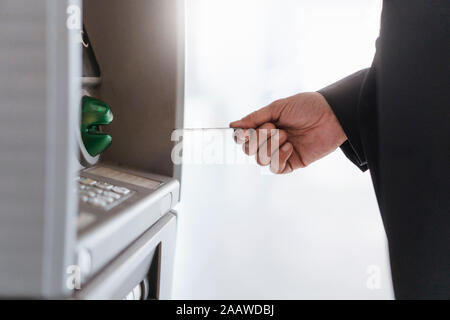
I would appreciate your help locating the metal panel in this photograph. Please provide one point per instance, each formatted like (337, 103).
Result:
(37, 159)
(125, 272)
(139, 46)
(113, 232)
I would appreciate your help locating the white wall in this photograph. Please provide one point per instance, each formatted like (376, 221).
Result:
(242, 233)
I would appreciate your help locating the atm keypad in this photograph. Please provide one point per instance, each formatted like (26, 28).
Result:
(101, 194)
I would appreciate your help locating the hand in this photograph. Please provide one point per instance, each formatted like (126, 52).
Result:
(307, 128)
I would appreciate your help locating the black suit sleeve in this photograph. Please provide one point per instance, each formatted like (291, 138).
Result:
(343, 97)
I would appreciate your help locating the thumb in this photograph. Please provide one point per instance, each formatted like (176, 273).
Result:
(254, 119)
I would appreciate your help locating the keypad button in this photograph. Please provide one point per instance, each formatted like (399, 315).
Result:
(121, 190)
(107, 199)
(112, 195)
(100, 194)
(91, 194)
(87, 181)
(103, 185)
(93, 189)
(97, 202)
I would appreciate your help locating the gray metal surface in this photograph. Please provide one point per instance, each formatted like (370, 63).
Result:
(139, 46)
(132, 266)
(39, 68)
(40, 86)
(180, 74)
(114, 230)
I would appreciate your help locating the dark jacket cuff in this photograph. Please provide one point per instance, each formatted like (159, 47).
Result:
(343, 97)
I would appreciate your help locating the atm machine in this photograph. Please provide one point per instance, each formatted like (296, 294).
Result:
(90, 92)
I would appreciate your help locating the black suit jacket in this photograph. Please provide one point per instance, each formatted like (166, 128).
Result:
(396, 115)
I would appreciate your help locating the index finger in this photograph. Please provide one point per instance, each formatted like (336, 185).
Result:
(254, 119)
